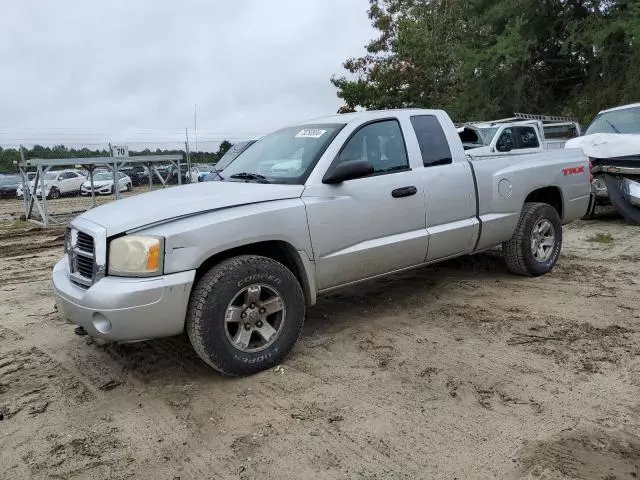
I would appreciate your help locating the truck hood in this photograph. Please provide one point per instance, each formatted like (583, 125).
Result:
(168, 204)
(98, 183)
(607, 145)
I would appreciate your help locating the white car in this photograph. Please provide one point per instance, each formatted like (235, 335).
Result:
(612, 142)
(56, 183)
(103, 184)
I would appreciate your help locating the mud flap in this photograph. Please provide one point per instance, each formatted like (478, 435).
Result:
(628, 211)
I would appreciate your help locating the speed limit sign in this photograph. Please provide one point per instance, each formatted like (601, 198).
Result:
(120, 151)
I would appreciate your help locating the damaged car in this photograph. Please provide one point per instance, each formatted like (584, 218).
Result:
(612, 142)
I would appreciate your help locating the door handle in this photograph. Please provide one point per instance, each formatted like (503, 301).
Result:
(404, 192)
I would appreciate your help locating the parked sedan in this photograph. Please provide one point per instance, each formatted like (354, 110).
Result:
(56, 183)
(103, 184)
(9, 185)
(139, 174)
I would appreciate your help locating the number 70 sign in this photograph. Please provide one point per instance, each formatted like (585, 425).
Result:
(119, 150)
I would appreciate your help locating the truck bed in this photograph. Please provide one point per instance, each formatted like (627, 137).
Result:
(499, 183)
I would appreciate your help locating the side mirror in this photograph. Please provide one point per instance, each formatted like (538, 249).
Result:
(348, 171)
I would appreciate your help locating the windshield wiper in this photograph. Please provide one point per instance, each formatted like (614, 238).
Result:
(250, 176)
(217, 172)
(612, 126)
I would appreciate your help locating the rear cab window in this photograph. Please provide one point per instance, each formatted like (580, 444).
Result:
(433, 142)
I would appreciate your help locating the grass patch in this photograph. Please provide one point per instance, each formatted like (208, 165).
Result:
(602, 238)
(13, 224)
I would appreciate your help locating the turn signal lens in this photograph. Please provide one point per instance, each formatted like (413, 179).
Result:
(153, 258)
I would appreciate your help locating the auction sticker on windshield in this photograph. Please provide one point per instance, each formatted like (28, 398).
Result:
(310, 133)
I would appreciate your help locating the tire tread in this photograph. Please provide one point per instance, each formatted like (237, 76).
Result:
(195, 318)
(513, 252)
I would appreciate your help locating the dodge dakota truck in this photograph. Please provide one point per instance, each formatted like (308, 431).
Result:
(307, 209)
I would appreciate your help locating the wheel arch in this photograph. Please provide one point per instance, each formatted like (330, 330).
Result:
(550, 195)
(277, 250)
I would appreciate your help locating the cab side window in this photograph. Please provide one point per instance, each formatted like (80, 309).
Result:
(432, 140)
(381, 144)
(505, 141)
(527, 137)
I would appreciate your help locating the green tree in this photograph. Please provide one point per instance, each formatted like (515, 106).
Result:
(490, 58)
(413, 62)
(222, 149)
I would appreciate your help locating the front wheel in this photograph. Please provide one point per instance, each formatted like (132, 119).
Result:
(129, 187)
(535, 246)
(245, 314)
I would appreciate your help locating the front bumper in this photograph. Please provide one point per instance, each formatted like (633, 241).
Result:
(631, 191)
(124, 309)
(96, 190)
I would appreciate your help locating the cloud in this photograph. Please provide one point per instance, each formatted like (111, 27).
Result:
(99, 71)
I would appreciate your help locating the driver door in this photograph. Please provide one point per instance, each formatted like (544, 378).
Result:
(66, 182)
(372, 225)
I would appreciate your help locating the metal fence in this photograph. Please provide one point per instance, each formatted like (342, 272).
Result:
(43, 196)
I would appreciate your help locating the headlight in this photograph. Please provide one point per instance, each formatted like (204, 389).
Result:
(136, 256)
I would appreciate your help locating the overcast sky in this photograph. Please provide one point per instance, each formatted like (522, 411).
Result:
(74, 71)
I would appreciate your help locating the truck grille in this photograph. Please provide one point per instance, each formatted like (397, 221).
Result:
(84, 266)
(84, 242)
(81, 252)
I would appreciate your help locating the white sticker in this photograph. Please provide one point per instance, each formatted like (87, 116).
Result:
(310, 133)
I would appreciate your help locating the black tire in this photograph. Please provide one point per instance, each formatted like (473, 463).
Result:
(129, 187)
(54, 193)
(623, 207)
(518, 253)
(206, 323)
(591, 210)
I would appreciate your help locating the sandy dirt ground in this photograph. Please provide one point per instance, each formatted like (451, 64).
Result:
(457, 371)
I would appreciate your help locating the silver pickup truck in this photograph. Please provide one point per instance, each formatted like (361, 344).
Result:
(305, 210)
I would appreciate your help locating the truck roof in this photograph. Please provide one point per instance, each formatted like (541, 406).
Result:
(621, 107)
(368, 115)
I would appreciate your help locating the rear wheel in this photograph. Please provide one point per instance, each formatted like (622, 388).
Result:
(129, 187)
(535, 246)
(54, 193)
(245, 314)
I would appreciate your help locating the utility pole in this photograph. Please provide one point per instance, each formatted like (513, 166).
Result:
(186, 148)
(195, 123)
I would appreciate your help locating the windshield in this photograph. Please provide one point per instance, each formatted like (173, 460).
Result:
(10, 180)
(619, 121)
(102, 176)
(285, 156)
(51, 175)
(231, 154)
(487, 134)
